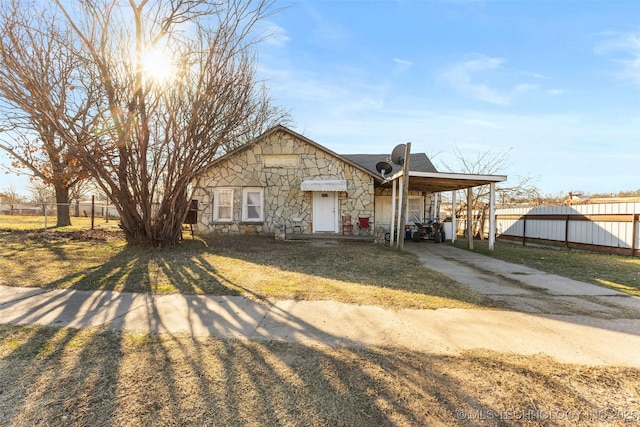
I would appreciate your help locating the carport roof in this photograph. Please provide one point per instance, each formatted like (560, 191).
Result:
(435, 182)
(423, 176)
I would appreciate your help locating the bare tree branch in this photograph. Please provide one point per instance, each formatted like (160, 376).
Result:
(490, 163)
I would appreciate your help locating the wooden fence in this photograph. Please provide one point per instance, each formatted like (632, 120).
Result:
(607, 227)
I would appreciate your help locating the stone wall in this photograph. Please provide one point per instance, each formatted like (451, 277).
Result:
(279, 163)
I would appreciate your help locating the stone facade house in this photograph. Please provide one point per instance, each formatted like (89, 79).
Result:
(283, 183)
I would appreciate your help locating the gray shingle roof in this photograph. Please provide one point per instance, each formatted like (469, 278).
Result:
(419, 162)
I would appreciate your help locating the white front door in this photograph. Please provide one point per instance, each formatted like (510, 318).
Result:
(325, 212)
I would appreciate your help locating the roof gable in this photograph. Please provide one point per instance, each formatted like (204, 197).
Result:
(280, 128)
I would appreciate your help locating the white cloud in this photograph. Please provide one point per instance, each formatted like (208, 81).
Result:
(486, 79)
(556, 92)
(461, 77)
(484, 123)
(624, 48)
(324, 31)
(274, 34)
(402, 65)
(539, 76)
(525, 87)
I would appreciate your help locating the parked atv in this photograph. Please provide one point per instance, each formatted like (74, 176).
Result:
(432, 230)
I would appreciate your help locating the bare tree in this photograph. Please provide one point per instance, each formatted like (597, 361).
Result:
(624, 193)
(39, 98)
(11, 195)
(80, 98)
(490, 163)
(41, 193)
(153, 133)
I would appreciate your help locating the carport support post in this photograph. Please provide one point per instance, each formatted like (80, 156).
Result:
(492, 215)
(400, 191)
(392, 230)
(454, 225)
(470, 217)
(405, 194)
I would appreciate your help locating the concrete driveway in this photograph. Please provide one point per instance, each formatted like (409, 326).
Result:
(525, 289)
(571, 321)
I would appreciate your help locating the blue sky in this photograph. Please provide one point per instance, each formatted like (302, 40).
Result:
(554, 83)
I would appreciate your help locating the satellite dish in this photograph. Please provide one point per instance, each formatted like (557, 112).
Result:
(383, 168)
(397, 155)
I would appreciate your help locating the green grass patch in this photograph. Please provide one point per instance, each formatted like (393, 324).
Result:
(618, 272)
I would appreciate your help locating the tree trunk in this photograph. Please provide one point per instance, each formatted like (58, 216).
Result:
(163, 228)
(62, 206)
(162, 233)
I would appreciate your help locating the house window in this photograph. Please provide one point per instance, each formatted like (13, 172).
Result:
(252, 201)
(223, 204)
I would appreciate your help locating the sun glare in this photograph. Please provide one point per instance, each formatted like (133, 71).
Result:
(158, 66)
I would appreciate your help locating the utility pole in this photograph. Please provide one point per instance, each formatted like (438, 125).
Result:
(405, 196)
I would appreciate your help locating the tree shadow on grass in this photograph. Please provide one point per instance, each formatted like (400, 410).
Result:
(57, 376)
(101, 377)
(197, 267)
(149, 270)
(335, 263)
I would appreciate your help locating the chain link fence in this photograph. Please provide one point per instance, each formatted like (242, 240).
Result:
(45, 214)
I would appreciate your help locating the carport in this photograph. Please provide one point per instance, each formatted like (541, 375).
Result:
(438, 182)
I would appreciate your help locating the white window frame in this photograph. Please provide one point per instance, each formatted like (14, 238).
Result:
(216, 204)
(245, 206)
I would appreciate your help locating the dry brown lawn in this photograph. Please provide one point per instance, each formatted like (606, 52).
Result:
(251, 266)
(96, 377)
(62, 377)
